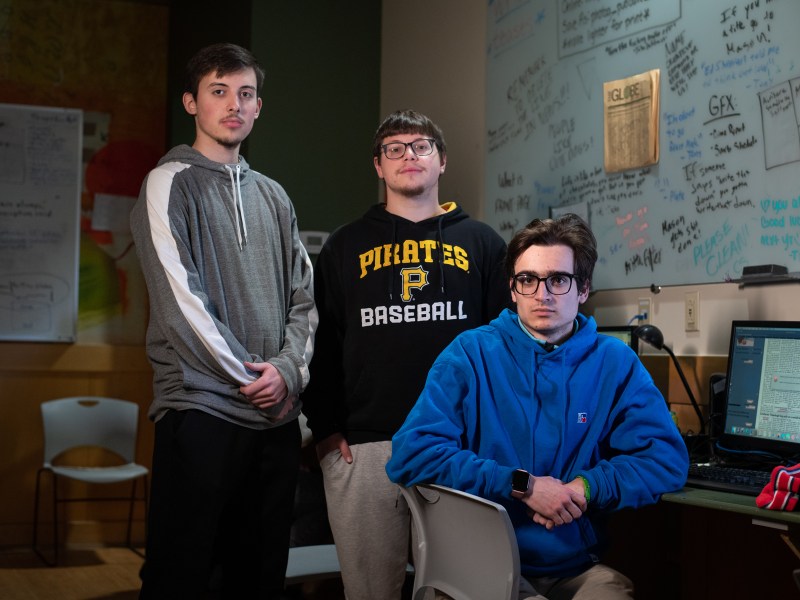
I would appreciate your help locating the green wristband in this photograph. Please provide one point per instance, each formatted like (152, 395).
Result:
(587, 489)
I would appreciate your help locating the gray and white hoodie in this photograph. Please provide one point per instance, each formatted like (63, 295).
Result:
(228, 281)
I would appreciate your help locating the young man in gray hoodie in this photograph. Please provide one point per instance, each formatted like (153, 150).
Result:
(230, 337)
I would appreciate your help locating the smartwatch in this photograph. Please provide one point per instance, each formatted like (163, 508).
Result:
(521, 484)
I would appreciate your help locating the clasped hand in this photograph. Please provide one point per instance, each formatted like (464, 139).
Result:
(555, 503)
(269, 389)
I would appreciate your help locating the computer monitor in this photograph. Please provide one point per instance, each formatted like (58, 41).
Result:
(762, 404)
(623, 332)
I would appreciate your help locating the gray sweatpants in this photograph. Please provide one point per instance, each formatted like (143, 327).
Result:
(370, 522)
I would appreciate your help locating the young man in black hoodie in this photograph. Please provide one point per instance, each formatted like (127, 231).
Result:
(392, 288)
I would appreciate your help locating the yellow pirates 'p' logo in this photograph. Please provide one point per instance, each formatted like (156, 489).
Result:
(413, 278)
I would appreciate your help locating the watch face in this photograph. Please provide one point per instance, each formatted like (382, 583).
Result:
(519, 481)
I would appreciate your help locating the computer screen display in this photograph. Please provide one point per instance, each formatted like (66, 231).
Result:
(623, 332)
(762, 408)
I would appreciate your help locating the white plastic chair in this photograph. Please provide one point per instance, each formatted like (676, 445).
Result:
(89, 421)
(465, 545)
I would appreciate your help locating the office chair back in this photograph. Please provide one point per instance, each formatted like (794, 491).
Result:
(89, 421)
(465, 546)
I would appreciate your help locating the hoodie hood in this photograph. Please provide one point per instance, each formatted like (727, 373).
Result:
(524, 349)
(232, 176)
(187, 155)
(453, 214)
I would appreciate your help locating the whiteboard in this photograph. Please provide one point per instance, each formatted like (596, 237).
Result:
(726, 191)
(40, 190)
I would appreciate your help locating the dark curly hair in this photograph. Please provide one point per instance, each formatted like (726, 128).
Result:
(568, 230)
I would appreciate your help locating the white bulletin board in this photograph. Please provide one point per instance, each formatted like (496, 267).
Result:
(40, 186)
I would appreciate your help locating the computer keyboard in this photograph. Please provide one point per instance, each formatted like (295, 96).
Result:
(728, 479)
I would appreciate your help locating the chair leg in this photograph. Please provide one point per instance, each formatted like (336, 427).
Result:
(55, 519)
(130, 513)
(146, 511)
(35, 541)
(146, 506)
(35, 538)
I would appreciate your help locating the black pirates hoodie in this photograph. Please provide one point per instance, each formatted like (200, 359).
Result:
(391, 294)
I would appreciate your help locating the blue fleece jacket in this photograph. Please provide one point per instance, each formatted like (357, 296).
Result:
(496, 401)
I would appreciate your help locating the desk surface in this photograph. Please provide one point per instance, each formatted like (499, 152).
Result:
(737, 503)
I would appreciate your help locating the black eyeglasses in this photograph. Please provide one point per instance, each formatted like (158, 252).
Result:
(397, 150)
(557, 284)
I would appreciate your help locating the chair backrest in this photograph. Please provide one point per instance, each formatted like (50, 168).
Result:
(466, 545)
(90, 421)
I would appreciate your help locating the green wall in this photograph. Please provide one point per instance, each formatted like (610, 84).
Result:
(321, 95)
(192, 25)
(321, 105)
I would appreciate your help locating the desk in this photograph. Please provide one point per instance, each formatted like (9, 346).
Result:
(706, 545)
(735, 503)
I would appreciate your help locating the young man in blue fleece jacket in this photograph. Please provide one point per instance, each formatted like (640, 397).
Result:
(539, 412)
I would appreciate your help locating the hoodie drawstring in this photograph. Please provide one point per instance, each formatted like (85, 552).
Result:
(238, 209)
(441, 251)
(439, 241)
(394, 243)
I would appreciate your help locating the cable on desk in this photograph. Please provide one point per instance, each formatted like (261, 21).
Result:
(752, 453)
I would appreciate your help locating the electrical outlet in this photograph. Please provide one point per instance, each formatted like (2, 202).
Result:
(691, 308)
(644, 310)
